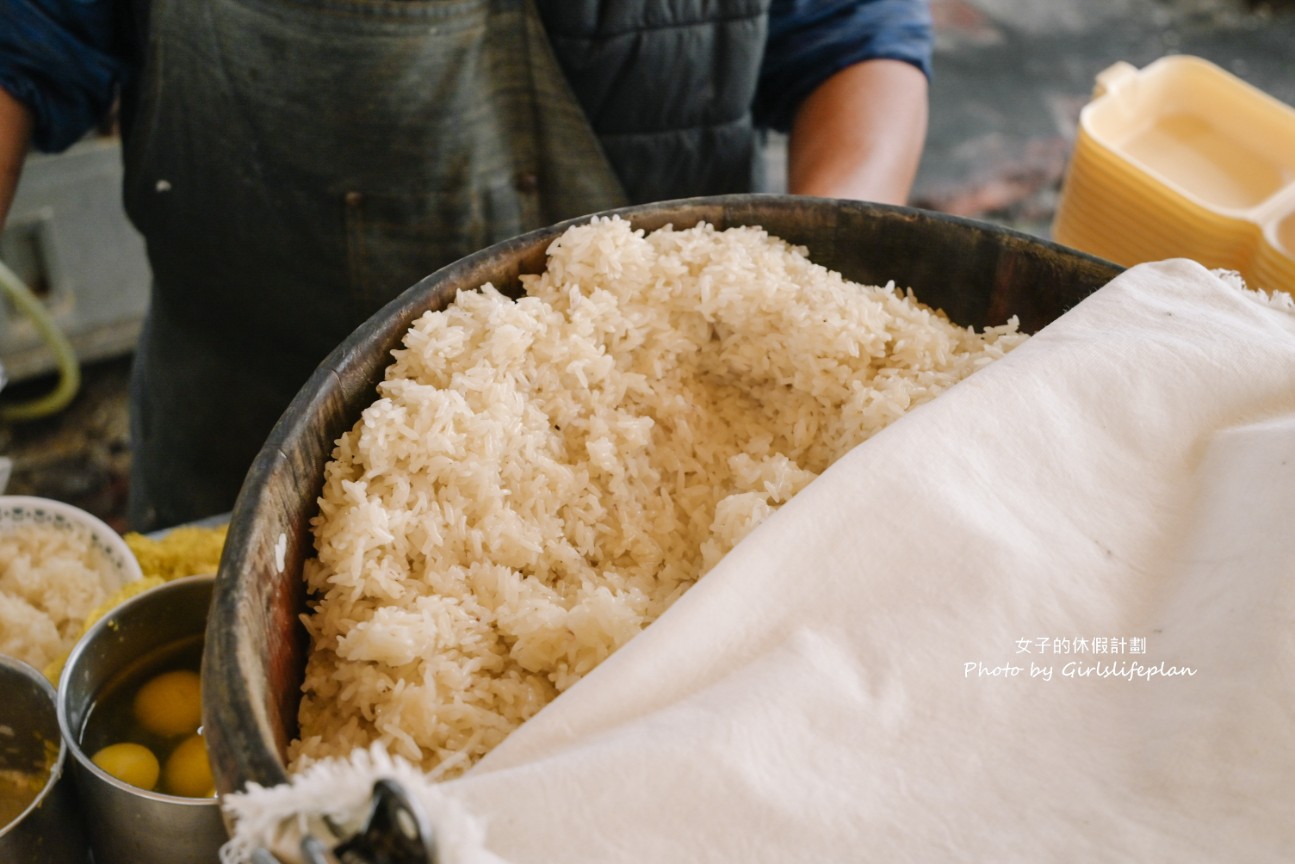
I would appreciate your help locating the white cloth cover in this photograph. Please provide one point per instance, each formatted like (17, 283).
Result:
(1049, 616)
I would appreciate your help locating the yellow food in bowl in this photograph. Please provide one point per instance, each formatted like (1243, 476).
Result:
(17, 790)
(184, 551)
(170, 703)
(130, 763)
(188, 770)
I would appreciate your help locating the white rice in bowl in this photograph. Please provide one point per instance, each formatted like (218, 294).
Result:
(540, 479)
(52, 575)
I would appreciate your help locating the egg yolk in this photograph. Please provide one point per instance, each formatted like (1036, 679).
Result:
(130, 763)
(171, 703)
(188, 771)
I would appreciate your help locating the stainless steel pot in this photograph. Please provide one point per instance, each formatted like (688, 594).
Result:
(128, 825)
(49, 829)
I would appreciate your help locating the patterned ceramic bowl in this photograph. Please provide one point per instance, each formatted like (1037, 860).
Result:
(51, 555)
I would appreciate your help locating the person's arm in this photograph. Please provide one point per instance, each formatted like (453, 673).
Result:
(860, 134)
(847, 81)
(15, 133)
(60, 67)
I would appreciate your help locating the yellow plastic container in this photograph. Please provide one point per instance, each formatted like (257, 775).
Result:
(1183, 159)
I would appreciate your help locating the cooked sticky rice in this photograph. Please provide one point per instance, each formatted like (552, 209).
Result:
(538, 480)
(51, 577)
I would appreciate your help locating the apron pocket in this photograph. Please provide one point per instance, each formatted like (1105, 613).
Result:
(394, 240)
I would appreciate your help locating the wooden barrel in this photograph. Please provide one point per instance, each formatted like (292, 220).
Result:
(253, 667)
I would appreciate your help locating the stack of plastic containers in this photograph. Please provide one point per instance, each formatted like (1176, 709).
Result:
(1182, 159)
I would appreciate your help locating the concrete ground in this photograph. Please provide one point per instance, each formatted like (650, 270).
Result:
(1010, 79)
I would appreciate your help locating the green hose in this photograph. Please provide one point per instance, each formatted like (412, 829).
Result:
(69, 370)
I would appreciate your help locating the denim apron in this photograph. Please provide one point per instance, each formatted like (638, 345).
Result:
(295, 164)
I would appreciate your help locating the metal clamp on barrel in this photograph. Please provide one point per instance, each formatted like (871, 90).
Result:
(395, 832)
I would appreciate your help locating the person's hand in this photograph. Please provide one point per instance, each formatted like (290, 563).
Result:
(15, 134)
(860, 134)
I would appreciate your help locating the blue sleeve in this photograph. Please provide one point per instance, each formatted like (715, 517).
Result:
(811, 40)
(63, 60)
